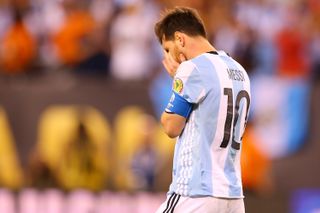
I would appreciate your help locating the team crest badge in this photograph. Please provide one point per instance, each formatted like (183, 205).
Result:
(177, 85)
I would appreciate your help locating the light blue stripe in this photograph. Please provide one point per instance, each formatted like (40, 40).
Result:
(229, 168)
(191, 95)
(208, 129)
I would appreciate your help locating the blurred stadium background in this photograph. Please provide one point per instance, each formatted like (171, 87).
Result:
(82, 88)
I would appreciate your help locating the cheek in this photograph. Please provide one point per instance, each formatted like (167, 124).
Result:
(175, 54)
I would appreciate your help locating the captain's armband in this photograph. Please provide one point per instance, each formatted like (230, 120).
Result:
(179, 105)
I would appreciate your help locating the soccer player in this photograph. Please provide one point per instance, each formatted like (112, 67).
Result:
(208, 111)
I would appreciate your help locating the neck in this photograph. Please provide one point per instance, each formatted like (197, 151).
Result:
(198, 46)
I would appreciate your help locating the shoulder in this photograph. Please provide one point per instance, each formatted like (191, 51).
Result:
(186, 70)
(186, 66)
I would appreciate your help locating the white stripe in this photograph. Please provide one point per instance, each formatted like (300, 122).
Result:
(185, 157)
(187, 68)
(246, 87)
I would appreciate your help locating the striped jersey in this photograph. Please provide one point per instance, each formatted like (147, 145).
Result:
(207, 153)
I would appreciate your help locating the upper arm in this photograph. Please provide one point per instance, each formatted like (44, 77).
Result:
(176, 114)
(187, 91)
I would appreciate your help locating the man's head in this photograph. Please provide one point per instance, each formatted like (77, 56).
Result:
(175, 26)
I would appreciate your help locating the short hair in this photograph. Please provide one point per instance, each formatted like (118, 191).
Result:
(182, 19)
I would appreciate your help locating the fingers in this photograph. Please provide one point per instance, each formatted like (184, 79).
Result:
(169, 67)
(166, 65)
(169, 58)
(170, 64)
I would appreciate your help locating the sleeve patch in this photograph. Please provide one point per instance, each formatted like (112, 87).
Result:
(177, 85)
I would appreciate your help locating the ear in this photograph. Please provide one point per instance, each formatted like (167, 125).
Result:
(180, 38)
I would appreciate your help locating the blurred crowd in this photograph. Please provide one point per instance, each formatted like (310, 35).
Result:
(277, 41)
(81, 35)
(116, 36)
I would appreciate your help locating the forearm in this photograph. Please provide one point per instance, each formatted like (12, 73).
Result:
(173, 124)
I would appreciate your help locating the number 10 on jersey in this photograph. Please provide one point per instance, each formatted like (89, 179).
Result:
(233, 114)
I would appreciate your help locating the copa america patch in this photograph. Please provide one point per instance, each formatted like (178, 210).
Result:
(177, 85)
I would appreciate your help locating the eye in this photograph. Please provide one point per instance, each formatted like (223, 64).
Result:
(167, 50)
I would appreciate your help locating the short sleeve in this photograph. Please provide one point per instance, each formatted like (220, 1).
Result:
(188, 84)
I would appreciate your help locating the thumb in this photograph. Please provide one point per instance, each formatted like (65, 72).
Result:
(182, 57)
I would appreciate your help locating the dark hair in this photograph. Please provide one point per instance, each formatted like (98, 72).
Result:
(182, 19)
